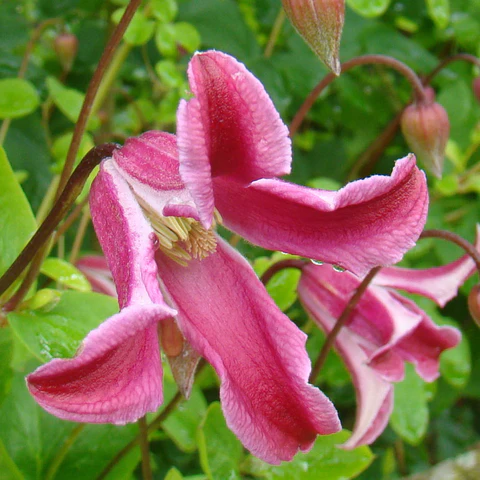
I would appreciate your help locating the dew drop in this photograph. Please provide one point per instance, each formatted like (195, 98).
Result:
(316, 262)
(338, 268)
(154, 240)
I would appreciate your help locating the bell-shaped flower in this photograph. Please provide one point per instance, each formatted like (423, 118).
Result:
(154, 208)
(384, 330)
(320, 23)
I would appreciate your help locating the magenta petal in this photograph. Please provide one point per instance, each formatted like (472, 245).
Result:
(374, 394)
(425, 344)
(95, 268)
(231, 128)
(367, 223)
(258, 353)
(127, 239)
(440, 284)
(116, 377)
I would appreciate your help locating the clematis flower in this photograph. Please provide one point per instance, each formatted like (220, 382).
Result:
(95, 269)
(155, 207)
(384, 330)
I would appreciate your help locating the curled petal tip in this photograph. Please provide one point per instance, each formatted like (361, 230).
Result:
(320, 23)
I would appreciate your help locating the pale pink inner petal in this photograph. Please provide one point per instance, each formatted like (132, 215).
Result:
(127, 239)
(116, 377)
(231, 128)
(374, 394)
(259, 354)
(95, 268)
(367, 223)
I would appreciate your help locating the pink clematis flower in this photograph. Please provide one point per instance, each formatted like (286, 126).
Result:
(95, 269)
(154, 207)
(384, 330)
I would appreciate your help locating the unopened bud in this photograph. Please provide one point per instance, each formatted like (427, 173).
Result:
(44, 300)
(474, 304)
(66, 47)
(476, 88)
(426, 129)
(320, 23)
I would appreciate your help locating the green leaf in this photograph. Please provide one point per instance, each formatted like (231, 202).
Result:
(164, 10)
(187, 36)
(169, 74)
(6, 356)
(439, 12)
(59, 332)
(369, 8)
(165, 39)
(173, 474)
(182, 425)
(324, 462)
(17, 222)
(282, 287)
(62, 144)
(409, 418)
(69, 101)
(66, 274)
(18, 98)
(220, 450)
(140, 30)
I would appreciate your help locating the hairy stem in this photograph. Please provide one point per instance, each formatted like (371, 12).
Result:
(72, 189)
(406, 71)
(332, 335)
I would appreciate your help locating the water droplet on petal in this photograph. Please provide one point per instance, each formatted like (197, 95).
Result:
(338, 268)
(316, 262)
(154, 239)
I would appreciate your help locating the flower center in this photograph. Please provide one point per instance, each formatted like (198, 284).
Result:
(182, 238)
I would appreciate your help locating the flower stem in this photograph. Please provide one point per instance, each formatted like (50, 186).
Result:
(77, 243)
(457, 240)
(332, 335)
(92, 90)
(466, 57)
(275, 32)
(406, 71)
(276, 267)
(60, 456)
(145, 449)
(72, 189)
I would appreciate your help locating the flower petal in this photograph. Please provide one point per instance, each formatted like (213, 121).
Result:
(231, 128)
(440, 284)
(367, 223)
(95, 268)
(127, 239)
(259, 354)
(374, 394)
(150, 165)
(424, 345)
(116, 377)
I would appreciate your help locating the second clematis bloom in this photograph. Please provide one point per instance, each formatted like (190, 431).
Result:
(384, 330)
(155, 205)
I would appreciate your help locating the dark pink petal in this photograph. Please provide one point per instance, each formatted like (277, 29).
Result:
(149, 163)
(231, 128)
(367, 223)
(127, 239)
(374, 394)
(95, 268)
(440, 284)
(116, 377)
(425, 344)
(258, 353)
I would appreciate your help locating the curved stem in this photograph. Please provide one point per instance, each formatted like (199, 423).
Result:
(275, 32)
(466, 57)
(406, 71)
(276, 267)
(145, 449)
(332, 335)
(81, 230)
(457, 240)
(92, 89)
(72, 189)
(60, 456)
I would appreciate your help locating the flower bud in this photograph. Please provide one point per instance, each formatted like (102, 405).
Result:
(320, 23)
(474, 304)
(476, 88)
(66, 47)
(426, 129)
